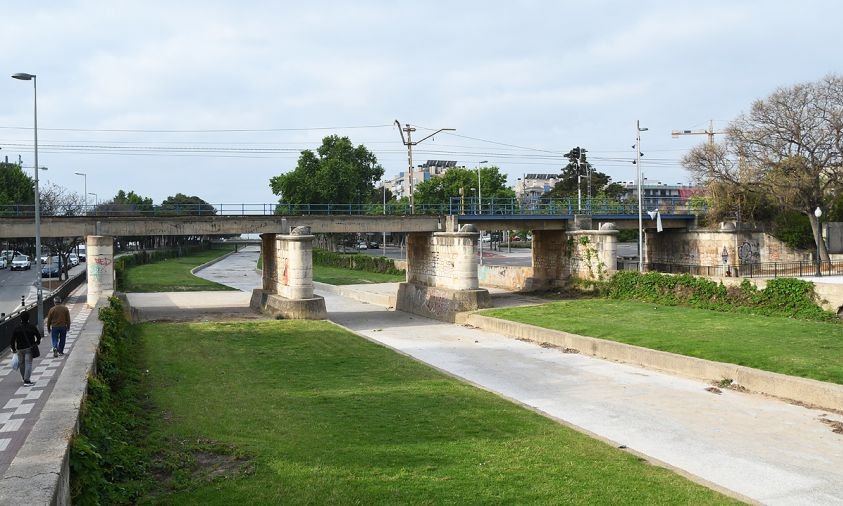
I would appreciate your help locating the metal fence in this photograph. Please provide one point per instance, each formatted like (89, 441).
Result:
(456, 205)
(10, 321)
(751, 270)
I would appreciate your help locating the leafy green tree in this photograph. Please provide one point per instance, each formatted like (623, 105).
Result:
(439, 190)
(127, 204)
(337, 173)
(181, 203)
(601, 184)
(15, 186)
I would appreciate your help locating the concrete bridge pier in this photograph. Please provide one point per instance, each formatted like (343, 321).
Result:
(287, 289)
(550, 258)
(442, 275)
(594, 253)
(100, 263)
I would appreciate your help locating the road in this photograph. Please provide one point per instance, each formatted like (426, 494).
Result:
(14, 284)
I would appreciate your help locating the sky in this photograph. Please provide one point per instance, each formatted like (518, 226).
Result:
(213, 98)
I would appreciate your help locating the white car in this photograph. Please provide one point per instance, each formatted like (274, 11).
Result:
(3, 262)
(73, 260)
(21, 262)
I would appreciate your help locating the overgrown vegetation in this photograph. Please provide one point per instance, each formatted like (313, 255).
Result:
(789, 297)
(106, 464)
(125, 262)
(356, 262)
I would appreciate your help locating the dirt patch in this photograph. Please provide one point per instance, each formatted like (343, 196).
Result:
(714, 390)
(210, 465)
(836, 426)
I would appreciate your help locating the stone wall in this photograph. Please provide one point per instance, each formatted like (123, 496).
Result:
(511, 277)
(442, 259)
(705, 247)
(594, 253)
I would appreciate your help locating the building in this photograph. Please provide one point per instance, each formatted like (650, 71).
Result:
(658, 193)
(533, 186)
(400, 184)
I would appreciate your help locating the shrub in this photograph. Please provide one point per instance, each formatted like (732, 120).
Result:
(783, 296)
(355, 262)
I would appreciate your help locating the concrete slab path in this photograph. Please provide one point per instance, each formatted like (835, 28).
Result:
(756, 447)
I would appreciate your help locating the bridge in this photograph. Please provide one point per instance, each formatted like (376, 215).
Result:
(442, 241)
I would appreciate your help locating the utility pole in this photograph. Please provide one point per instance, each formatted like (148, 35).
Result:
(410, 143)
(637, 162)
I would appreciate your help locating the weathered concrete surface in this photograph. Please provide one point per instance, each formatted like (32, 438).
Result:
(81, 226)
(594, 253)
(705, 247)
(100, 260)
(381, 294)
(40, 473)
(517, 278)
(312, 308)
(817, 393)
(440, 303)
(181, 306)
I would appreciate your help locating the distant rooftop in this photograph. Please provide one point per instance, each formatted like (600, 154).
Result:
(542, 176)
(439, 163)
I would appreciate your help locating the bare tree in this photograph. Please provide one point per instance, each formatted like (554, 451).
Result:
(787, 148)
(58, 201)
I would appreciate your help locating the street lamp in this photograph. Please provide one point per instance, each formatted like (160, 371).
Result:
(818, 212)
(638, 153)
(96, 199)
(479, 198)
(22, 76)
(85, 191)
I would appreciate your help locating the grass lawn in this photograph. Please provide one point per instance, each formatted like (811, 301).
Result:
(340, 276)
(777, 344)
(173, 274)
(326, 417)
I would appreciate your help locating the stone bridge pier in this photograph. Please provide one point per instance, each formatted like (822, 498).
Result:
(287, 279)
(99, 250)
(558, 255)
(442, 275)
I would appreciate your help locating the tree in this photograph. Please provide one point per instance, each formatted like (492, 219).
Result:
(56, 200)
(15, 186)
(569, 182)
(127, 204)
(184, 204)
(440, 190)
(337, 173)
(787, 148)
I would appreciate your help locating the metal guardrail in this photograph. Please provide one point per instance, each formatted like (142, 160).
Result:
(456, 205)
(10, 321)
(751, 270)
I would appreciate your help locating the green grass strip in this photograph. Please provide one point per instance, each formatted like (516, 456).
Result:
(778, 344)
(330, 418)
(341, 276)
(173, 274)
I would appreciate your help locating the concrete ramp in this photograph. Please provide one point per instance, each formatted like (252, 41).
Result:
(190, 306)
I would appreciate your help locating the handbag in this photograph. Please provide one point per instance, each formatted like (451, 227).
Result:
(35, 351)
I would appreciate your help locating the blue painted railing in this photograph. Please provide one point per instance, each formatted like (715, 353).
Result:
(456, 205)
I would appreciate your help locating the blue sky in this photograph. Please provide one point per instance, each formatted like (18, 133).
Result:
(213, 98)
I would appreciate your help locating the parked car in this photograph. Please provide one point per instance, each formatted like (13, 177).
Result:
(362, 245)
(374, 245)
(73, 260)
(21, 263)
(82, 252)
(52, 268)
(3, 262)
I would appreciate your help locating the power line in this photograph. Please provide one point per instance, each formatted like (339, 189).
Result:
(211, 130)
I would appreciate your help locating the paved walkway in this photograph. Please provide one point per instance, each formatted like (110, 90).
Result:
(759, 448)
(21, 405)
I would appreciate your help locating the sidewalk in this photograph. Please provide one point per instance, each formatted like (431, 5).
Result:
(758, 448)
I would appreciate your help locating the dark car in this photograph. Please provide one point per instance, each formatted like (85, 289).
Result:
(374, 245)
(51, 269)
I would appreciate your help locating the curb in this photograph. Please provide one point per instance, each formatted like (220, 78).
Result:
(801, 390)
(212, 262)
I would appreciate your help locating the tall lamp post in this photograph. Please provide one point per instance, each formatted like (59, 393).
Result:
(638, 153)
(85, 191)
(96, 200)
(22, 76)
(409, 142)
(818, 212)
(479, 197)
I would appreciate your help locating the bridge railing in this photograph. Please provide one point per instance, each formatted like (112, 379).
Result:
(456, 205)
(749, 270)
(571, 206)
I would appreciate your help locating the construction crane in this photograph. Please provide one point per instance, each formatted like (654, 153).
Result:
(709, 132)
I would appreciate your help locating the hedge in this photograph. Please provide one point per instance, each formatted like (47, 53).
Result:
(355, 262)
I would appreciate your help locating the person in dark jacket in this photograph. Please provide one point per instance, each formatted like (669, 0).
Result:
(24, 337)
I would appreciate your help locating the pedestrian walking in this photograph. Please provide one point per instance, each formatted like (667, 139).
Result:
(25, 341)
(58, 323)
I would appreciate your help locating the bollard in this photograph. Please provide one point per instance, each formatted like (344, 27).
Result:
(22, 300)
